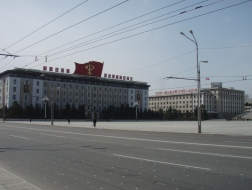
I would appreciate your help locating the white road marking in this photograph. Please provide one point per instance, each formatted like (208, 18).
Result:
(222, 155)
(18, 137)
(52, 135)
(137, 139)
(143, 159)
(238, 142)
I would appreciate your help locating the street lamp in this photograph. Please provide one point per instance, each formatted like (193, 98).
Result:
(136, 104)
(45, 99)
(198, 77)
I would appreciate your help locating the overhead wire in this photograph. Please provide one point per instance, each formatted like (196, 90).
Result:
(115, 33)
(46, 24)
(7, 63)
(72, 25)
(195, 85)
(183, 20)
(112, 27)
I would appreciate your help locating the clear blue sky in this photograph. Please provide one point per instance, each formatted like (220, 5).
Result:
(224, 39)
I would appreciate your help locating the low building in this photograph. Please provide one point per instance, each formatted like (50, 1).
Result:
(28, 86)
(219, 102)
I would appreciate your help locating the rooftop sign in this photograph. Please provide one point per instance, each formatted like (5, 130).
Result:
(171, 92)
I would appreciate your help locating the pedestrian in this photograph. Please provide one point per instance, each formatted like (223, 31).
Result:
(94, 122)
(30, 119)
(68, 120)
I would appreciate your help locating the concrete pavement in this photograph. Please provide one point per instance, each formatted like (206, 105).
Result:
(221, 127)
(9, 181)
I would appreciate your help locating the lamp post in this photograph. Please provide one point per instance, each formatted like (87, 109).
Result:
(45, 99)
(136, 104)
(198, 77)
(52, 101)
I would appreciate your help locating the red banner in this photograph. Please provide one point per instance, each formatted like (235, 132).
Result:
(45, 68)
(91, 68)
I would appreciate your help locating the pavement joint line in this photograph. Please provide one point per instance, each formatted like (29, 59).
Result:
(137, 139)
(16, 177)
(206, 153)
(168, 163)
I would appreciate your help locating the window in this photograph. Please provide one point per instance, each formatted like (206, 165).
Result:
(14, 81)
(14, 97)
(37, 83)
(14, 89)
(70, 86)
(37, 90)
(37, 98)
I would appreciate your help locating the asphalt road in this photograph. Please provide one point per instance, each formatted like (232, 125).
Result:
(57, 158)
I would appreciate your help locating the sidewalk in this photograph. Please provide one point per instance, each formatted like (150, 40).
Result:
(222, 127)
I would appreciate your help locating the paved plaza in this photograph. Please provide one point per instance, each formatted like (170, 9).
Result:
(207, 127)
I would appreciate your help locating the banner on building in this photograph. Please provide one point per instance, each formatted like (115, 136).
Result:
(26, 88)
(92, 68)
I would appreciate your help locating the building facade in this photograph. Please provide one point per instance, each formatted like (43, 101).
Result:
(220, 103)
(27, 86)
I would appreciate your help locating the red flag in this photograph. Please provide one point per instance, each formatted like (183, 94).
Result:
(92, 68)
(207, 78)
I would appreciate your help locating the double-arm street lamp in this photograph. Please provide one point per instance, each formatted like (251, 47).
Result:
(198, 76)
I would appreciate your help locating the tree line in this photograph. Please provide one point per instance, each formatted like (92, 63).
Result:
(112, 112)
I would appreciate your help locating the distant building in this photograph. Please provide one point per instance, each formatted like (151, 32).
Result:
(219, 102)
(28, 86)
(248, 108)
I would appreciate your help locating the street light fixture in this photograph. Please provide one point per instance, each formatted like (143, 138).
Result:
(45, 99)
(136, 104)
(198, 77)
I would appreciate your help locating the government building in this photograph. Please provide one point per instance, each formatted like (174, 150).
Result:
(219, 102)
(84, 87)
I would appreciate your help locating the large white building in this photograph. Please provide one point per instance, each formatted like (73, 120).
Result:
(219, 102)
(27, 86)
